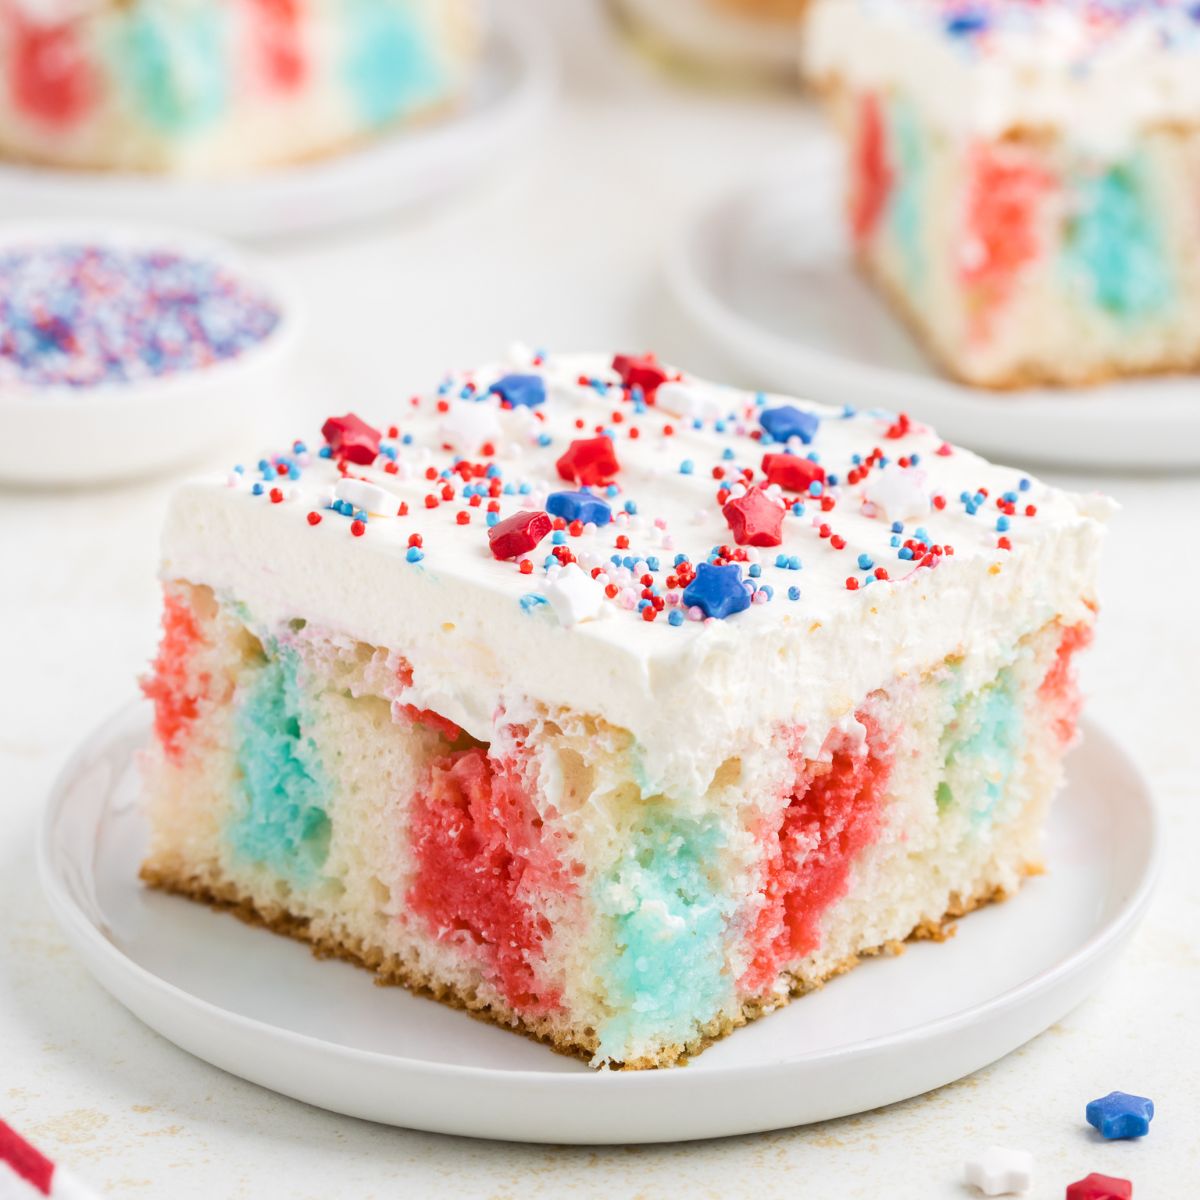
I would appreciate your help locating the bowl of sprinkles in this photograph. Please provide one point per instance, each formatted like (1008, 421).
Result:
(125, 352)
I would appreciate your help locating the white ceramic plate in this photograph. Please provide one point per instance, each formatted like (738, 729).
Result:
(766, 272)
(263, 1008)
(116, 431)
(404, 169)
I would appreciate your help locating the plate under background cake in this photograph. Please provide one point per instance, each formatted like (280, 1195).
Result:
(615, 706)
(213, 87)
(1023, 178)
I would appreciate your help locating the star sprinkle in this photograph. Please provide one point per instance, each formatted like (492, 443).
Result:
(1100, 1187)
(469, 425)
(1000, 1172)
(369, 497)
(756, 519)
(787, 422)
(791, 472)
(591, 461)
(717, 591)
(898, 493)
(687, 400)
(643, 372)
(574, 595)
(352, 439)
(578, 506)
(1120, 1115)
(521, 391)
(519, 534)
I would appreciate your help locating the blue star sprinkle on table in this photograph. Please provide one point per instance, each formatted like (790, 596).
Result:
(717, 591)
(1120, 1115)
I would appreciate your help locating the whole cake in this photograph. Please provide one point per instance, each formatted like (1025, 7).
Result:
(612, 704)
(220, 86)
(1023, 177)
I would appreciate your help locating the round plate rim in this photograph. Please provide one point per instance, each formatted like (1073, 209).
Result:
(812, 179)
(89, 941)
(509, 32)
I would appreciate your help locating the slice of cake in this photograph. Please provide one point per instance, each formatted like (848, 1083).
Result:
(219, 86)
(1023, 177)
(612, 704)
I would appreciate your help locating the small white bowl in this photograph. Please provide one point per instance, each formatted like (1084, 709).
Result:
(59, 435)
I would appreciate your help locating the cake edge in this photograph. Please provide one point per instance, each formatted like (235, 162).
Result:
(419, 119)
(1017, 379)
(388, 971)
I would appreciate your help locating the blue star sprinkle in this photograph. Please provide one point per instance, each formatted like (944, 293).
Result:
(788, 421)
(526, 391)
(717, 591)
(1120, 1115)
(578, 506)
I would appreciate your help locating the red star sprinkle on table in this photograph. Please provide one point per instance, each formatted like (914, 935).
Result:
(1100, 1187)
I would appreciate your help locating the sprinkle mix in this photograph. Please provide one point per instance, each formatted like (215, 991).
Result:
(80, 316)
(1091, 24)
(576, 484)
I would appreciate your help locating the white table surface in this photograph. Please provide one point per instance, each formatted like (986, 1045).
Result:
(561, 249)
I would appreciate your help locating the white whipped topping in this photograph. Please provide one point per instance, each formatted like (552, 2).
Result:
(485, 639)
(1036, 67)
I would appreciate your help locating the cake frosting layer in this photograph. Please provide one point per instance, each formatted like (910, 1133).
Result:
(900, 551)
(1101, 69)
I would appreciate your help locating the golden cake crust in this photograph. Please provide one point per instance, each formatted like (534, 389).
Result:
(390, 971)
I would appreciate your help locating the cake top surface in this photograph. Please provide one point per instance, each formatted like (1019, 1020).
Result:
(621, 494)
(619, 537)
(1074, 30)
(1095, 68)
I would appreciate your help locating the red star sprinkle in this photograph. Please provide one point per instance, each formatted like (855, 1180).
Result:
(1100, 1187)
(518, 534)
(792, 472)
(591, 461)
(352, 439)
(643, 372)
(755, 519)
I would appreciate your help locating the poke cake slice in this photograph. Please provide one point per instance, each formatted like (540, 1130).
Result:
(613, 705)
(212, 87)
(1023, 178)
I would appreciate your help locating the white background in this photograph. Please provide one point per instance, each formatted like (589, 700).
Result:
(561, 248)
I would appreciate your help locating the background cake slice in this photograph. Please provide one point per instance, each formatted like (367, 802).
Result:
(1023, 178)
(612, 704)
(221, 86)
